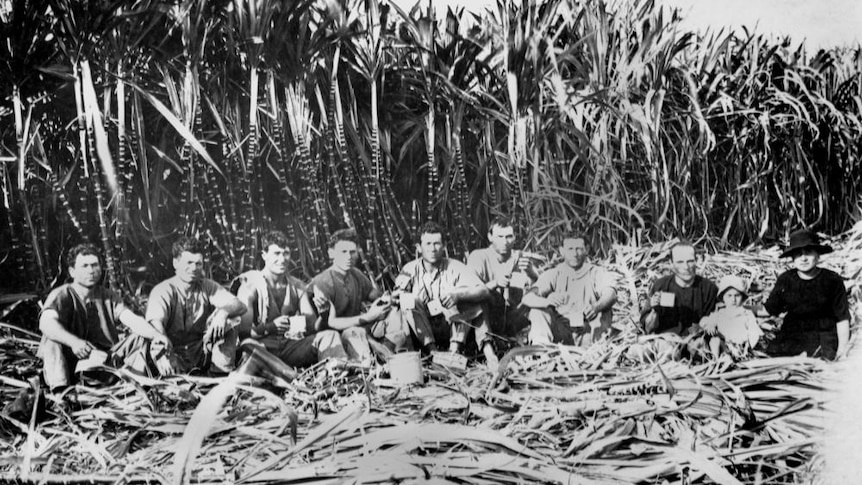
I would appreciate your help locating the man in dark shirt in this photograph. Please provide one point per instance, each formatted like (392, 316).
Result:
(80, 318)
(679, 300)
(339, 294)
(197, 314)
(280, 316)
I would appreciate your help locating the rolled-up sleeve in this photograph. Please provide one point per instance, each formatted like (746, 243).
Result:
(544, 286)
(159, 305)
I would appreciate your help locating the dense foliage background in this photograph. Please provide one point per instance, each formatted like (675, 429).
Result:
(128, 123)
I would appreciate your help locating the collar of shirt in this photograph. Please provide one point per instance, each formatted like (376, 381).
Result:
(434, 270)
(187, 287)
(274, 281)
(502, 258)
(573, 273)
(86, 295)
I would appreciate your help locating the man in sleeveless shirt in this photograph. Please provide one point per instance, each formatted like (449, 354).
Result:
(280, 315)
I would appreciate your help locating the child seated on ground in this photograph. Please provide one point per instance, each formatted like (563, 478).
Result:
(733, 327)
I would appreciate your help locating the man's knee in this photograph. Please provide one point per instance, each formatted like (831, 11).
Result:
(328, 344)
(57, 363)
(540, 327)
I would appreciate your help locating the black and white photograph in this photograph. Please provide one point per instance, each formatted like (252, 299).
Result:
(467, 242)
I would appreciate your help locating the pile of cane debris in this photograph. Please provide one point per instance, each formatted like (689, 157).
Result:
(547, 415)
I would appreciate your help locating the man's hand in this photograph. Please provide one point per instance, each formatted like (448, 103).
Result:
(164, 341)
(556, 299)
(402, 281)
(320, 301)
(164, 365)
(281, 324)
(654, 300)
(81, 348)
(218, 325)
(450, 298)
(590, 313)
(841, 353)
(377, 312)
(503, 281)
(283, 327)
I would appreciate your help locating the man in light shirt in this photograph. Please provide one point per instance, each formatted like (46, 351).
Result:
(572, 302)
(507, 272)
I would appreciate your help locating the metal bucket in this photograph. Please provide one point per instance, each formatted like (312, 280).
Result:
(405, 368)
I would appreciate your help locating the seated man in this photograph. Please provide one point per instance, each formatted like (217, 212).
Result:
(273, 297)
(571, 303)
(194, 312)
(506, 272)
(444, 297)
(339, 293)
(80, 318)
(679, 300)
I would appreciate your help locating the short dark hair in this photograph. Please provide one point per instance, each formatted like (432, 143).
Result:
(84, 249)
(501, 221)
(430, 227)
(187, 245)
(343, 235)
(273, 237)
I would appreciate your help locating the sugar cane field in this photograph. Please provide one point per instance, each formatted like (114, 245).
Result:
(134, 124)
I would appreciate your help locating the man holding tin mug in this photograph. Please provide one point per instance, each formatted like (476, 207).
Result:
(681, 299)
(280, 316)
(571, 303)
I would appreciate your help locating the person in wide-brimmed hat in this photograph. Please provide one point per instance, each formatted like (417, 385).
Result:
(817, 319)
(732, 327)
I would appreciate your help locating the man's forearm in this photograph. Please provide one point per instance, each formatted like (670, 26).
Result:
(650, 320)
(474, 293)
(843, 329)
(139, 326)
(341, 323)
(533, 300)
(607, 300)
(54, 330)
(234, 308)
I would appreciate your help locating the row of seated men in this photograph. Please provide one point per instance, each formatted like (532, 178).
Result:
(193, 323)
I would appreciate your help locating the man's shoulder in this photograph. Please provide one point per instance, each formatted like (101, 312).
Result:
(210, 287)
(480, 255)
(358, 274)
(323, 281)
(663, 282)
(706, 283)
(164, 285)
(107, 294)
(62, 290)
(296, 283)
(321, 275)
(165, 289)
(830, 275)
(410, 266)
(60, 295)
(456, 266)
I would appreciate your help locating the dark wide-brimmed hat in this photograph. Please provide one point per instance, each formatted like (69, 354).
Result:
(805, 239)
